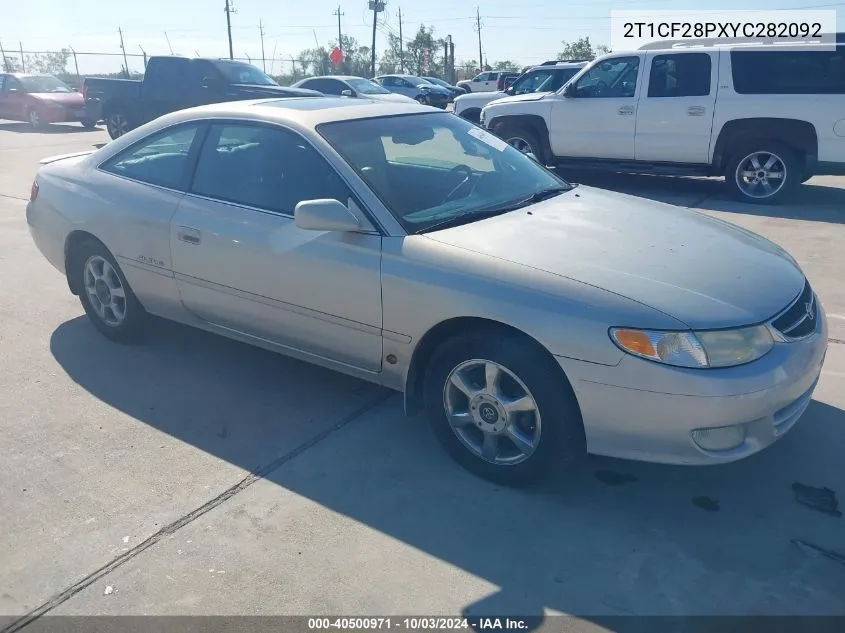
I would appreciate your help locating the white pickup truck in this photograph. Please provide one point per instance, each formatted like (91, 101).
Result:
(765, 117)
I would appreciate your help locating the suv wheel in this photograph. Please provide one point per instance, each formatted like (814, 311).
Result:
(763, 173)
(500, 408)
(524, 139)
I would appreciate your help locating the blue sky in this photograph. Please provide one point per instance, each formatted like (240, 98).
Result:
(526, 32)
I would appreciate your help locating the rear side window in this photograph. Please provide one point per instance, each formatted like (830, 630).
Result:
(789, 72)
(161, 159)
(680, 75)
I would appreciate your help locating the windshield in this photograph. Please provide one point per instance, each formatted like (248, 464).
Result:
(431, 168)
(366, 87)
(546, 80)
(240, 73)
(43, 83)
(436, 81)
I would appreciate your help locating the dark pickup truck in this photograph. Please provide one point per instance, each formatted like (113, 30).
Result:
(176, 83)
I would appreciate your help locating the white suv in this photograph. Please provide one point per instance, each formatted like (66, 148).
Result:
(548, 77)
(482, 82)
(766, 117)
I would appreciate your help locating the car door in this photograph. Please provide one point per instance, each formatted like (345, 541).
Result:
(242, 264)
(142, 186)
(406, 88)
(595, 117)
(168, 86)
(675, 112)
(15, 100)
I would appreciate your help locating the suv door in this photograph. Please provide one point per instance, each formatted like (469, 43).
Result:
(242, 264)
(595, 117)
(675, 111)
(167, 87)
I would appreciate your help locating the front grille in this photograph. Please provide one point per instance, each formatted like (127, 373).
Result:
(799, 319)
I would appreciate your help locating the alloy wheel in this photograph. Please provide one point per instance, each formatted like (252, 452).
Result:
(492, 412)
(117, 125)
(105, 291)
(760, 175)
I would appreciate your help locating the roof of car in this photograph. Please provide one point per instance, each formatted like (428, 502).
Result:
(305, 112)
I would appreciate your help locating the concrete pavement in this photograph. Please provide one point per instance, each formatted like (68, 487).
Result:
(195, 475)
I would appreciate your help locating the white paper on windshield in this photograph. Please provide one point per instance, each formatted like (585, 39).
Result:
(488, 139)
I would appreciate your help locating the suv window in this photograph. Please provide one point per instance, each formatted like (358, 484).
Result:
(615, 77)
(264, 167)
(680, 75)
(161, 159)
(789, 72)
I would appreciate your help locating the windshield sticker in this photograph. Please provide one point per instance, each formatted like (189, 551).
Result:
(488, 139)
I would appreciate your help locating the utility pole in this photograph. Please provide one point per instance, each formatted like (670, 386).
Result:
(6, 65)
(263, 58)
(401, 44)
(75, 62)
(452, 60)
(446, 58)
(143, 52)
(23, 60)
(339, 33)
(376, 6)
(123, 48)
(229, 11)
(478, 26)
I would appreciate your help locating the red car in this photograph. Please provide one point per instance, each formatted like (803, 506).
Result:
(40, 99)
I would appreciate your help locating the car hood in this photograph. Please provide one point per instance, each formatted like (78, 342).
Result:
(480, 97)
(702, 271)
(529, 96)
(390, 97)
(67, 99)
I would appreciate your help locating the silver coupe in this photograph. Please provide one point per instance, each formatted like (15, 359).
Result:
(533, 320)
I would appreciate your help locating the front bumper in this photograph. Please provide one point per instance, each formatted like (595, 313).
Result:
(647, 411)
(61, 114)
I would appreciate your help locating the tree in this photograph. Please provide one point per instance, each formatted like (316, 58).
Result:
(412, 58)
(581, 49)
(54, 63)
(356, 58)
(506, 66)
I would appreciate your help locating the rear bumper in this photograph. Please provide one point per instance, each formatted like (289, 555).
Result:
(49, 240)
(61, 114)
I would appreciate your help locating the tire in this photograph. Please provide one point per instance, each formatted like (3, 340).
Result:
(473, 116)
(88, 124)
(35, 120)
(753, 158)
(118, 123)
(524, 139)
(92, 258)
(558, 439)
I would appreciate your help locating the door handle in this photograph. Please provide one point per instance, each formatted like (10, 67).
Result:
(626, 110)
(696, 110)
(189, 235)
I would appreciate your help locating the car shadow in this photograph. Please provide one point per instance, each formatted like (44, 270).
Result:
(814, 200)
(53, 128)
(614, 538)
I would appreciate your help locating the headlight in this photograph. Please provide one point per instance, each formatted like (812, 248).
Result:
(705, 349)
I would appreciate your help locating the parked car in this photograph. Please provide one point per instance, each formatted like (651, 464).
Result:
(767, 117)
(539, 79)
(453, 90)
(506, 80)
(416, 88)
(174, 83)
(346, 86)
(412, 249)
(40, 100)
(482, 82)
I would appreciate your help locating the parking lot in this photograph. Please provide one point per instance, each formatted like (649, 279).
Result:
(195, 475)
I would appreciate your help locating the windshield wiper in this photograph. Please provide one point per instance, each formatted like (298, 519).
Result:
(489, 212)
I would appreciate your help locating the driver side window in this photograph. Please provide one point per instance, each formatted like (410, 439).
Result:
(614, 78)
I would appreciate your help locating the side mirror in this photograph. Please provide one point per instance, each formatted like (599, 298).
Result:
(325, 215)
(569, 90)
(347, 93)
